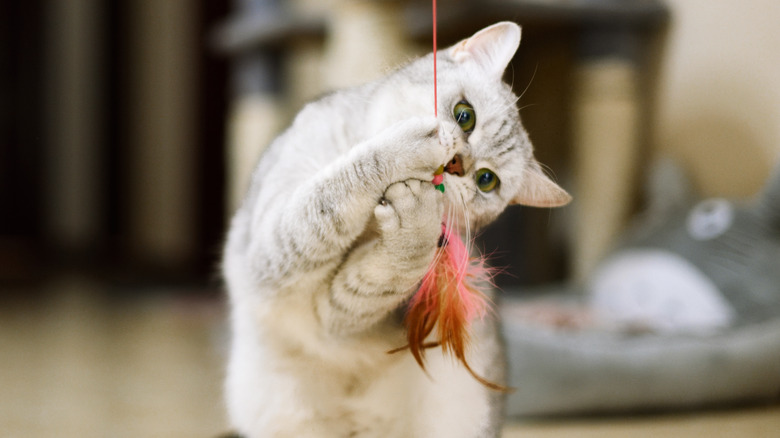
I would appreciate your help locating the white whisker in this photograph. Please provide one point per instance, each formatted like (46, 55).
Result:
(529, 82)
(465, 215)
(512, 75)
(509, 108)
(526, 106)
(548, 171)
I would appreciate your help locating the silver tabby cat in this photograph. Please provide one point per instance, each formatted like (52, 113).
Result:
(339, 226)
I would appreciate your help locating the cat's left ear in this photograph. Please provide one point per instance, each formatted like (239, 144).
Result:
(538, 190)
(491, 48)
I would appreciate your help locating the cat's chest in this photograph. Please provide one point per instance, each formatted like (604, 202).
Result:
(288, 321)
(370, 403)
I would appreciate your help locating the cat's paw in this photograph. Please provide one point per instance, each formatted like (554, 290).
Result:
(418, 146)
(409, 217)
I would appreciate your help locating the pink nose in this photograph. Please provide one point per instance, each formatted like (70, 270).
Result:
(455, 166)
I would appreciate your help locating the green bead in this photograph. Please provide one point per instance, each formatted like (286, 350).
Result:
(440, 188)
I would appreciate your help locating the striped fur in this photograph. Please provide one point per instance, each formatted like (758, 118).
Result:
(338, 228)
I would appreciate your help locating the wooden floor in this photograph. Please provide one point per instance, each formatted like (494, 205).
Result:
(756, 422)
(75, 364)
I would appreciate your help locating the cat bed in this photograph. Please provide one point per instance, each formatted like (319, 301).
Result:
(685, 313)
(563, 371)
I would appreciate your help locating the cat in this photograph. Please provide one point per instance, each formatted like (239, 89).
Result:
(341, 222)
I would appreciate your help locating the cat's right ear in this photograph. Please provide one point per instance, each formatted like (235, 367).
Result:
(538, 190)
(490, 49)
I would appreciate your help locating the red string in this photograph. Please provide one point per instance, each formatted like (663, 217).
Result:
(435, 86)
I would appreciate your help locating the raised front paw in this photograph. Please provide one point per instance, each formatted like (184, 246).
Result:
(409, 217)
(417, 147)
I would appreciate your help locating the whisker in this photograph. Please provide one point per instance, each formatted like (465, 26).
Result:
(465, 216)
(548, 171)
(510, 107)
(520, 96)
(512, 69)
(533, 75)
(526, 106)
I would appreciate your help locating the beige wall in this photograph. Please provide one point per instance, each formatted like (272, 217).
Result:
(719, 93)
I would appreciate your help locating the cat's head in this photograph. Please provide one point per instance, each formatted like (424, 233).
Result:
(495, 166)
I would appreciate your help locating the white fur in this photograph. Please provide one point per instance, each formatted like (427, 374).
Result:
(339, 226)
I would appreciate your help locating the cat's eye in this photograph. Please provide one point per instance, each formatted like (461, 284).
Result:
(465, 116)
(486, 180)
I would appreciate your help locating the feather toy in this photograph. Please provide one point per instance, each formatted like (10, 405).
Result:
(448, 299)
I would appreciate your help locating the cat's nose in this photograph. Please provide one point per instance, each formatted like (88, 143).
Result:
(455, 166)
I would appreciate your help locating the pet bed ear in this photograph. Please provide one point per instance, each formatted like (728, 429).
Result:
(667, 188)
(538, 190)
(491, 48)
(769, 199)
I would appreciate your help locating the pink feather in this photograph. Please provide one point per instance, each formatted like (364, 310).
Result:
(449, 300)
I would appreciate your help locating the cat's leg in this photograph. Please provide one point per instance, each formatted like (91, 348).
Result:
(319, 222)
(377, 276)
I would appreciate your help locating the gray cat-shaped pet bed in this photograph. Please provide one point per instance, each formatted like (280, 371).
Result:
(684, 313)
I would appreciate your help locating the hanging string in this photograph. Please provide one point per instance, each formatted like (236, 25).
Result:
(449, 298)
(435, 86)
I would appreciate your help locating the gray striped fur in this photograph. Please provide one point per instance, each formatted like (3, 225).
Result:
(339, 226)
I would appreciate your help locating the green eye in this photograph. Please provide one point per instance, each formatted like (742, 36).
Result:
(486, 180)
(465, 116)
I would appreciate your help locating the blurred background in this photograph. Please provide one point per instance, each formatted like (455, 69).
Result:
(128, 129)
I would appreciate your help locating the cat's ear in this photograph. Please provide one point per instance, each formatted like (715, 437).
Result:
(538, 190)
(491, 48)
